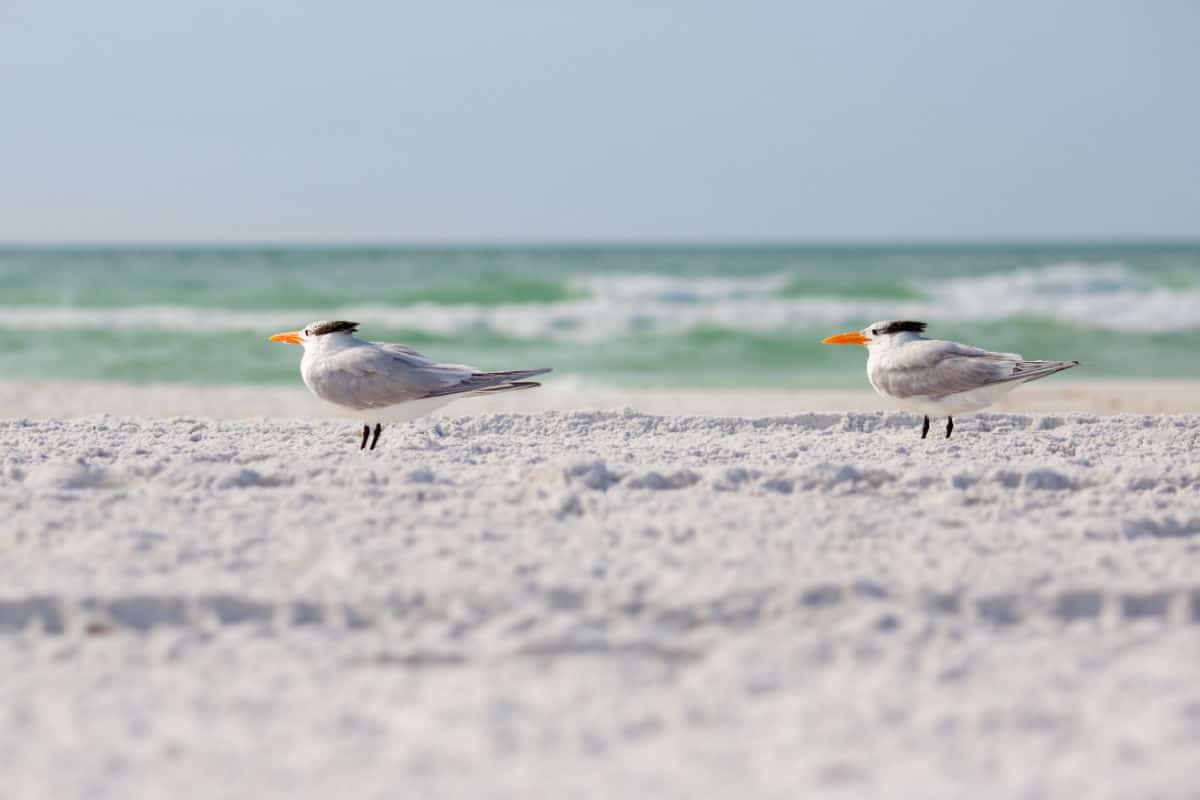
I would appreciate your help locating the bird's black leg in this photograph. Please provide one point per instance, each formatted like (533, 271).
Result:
(366, 433)
(949, 426)
(925, 428)
(378, 430)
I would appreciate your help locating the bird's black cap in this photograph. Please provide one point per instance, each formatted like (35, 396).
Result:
(336, 326)
(901, 326)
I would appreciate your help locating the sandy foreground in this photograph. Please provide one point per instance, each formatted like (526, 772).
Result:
(657, 601)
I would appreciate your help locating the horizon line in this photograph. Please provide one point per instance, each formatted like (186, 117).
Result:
(581, 243)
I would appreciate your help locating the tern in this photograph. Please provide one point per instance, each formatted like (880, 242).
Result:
(937, 378)
(378, 381)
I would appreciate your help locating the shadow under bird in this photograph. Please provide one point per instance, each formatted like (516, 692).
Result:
(382, 382)
(938, 378)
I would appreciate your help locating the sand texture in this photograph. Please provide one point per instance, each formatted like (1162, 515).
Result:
(601, 604)
(54, 400)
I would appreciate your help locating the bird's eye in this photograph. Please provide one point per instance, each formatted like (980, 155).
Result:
(874, 331)
(306, 331)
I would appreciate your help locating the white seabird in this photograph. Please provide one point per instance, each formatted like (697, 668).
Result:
(937, 378)
(379, 381)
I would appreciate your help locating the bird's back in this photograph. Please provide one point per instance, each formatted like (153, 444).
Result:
(937, 368)
(365, 375)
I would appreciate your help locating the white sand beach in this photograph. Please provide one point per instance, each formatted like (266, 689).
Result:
(703, 559)
(50, 399)
(769, 595)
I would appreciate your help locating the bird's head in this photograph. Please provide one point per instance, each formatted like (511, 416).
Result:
(884, 332)
(317, 332)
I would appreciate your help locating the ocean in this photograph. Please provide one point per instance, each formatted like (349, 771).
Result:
(644, 316)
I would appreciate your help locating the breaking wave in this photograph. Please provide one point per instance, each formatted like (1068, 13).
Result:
(1109, 297)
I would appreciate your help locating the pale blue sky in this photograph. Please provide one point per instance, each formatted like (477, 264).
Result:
(521, 121)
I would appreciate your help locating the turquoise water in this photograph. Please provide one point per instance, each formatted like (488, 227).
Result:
(716, 316)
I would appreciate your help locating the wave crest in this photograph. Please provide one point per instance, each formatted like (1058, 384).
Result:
(1105, 296)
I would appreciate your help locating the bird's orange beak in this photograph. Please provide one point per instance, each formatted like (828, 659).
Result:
(291, 337)
(853, 337)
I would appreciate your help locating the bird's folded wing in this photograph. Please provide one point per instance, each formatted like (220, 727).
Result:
(390, 374)
(936, 369)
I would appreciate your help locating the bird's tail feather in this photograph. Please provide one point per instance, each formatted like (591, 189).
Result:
(481, 382)
(1032, 370)
(504, 387)
(512, 375)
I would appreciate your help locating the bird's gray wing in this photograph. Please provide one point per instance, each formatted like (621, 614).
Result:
(937, 368)
(386, 374)
(458, 378)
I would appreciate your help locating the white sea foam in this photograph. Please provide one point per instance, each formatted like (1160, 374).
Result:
(1107, 296)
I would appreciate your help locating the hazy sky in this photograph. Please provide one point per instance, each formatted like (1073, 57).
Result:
(448, 121)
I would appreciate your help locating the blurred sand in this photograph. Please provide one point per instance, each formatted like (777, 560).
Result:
(597, 604)
(41, 400)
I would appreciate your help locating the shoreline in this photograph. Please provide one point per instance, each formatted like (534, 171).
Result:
(69, 399)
